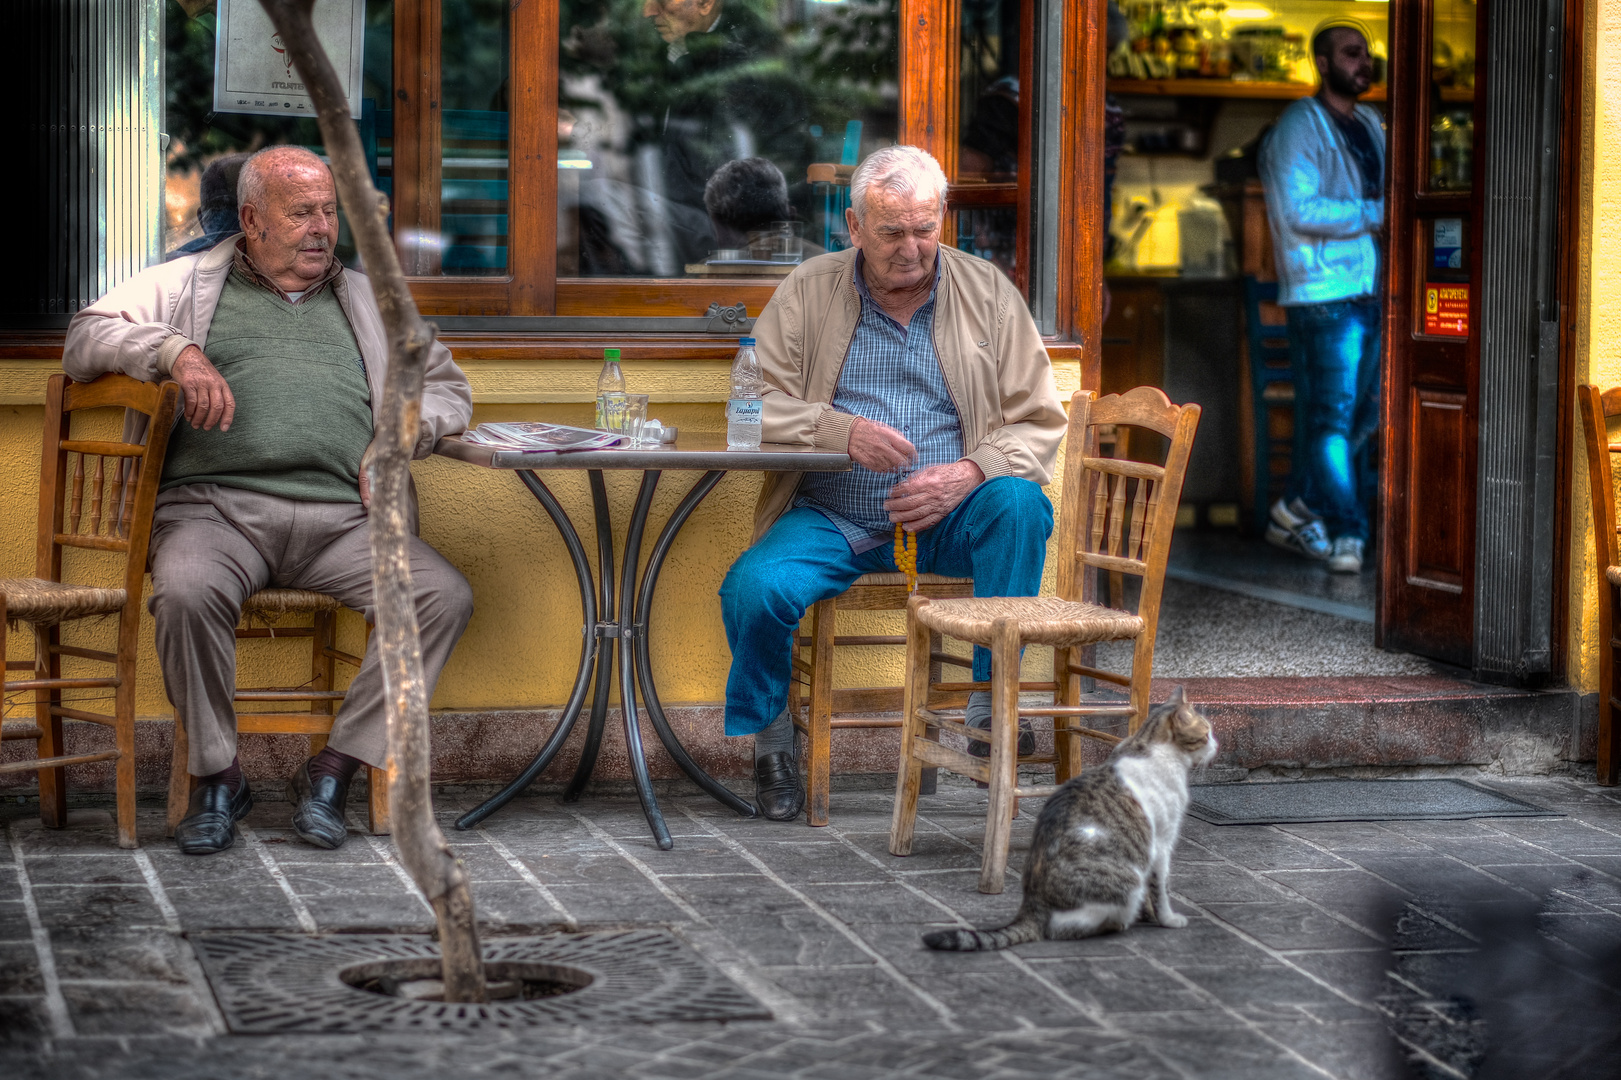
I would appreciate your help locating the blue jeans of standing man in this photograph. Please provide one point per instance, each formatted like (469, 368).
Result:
(1334, 354)
(997, 535)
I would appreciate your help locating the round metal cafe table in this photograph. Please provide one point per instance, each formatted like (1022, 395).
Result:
(627, 617)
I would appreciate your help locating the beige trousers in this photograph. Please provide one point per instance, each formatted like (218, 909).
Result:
(213, 547)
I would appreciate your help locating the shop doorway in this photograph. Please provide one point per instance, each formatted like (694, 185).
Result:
(1193, 309)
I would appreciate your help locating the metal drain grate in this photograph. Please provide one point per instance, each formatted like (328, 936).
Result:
(268, 983)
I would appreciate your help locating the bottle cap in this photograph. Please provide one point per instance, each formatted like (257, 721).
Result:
(745, 341)
(610, 354)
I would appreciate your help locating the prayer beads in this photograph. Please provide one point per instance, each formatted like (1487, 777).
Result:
(906, 557)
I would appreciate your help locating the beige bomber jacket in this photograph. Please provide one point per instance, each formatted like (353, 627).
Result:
(990, 351)
(140, 327)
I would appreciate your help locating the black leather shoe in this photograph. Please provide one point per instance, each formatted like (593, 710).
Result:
(777, 789)
(211, 816)
(318, 808)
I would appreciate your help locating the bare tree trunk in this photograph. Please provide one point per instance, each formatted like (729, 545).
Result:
(422, 847)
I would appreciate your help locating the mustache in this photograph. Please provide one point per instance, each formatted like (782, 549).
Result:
(322, 242)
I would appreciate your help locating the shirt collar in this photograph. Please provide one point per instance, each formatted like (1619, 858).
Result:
(245, 266)
(861, 277)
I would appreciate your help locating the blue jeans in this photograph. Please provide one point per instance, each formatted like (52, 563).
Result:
(997, 535)
(1334, 354)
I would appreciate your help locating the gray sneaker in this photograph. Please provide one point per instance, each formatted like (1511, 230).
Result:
(1347, 557)
(1295, 528)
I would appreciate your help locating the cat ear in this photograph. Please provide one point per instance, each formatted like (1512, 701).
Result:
(1179, 697)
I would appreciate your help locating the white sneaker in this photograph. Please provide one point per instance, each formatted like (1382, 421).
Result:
(1347, 557)
(1295, 528)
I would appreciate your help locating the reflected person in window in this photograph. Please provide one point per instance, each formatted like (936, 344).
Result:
(724, 94)
(281, 354)
(923, 364)
(1323, 167)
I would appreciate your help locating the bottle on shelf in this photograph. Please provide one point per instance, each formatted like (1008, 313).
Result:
(745, 407)
(612, 380)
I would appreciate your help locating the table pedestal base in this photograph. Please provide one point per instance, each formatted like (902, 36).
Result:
(629, 628)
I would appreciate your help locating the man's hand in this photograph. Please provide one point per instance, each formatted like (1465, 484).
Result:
(208, 397)
(924, 499)
(879, 447)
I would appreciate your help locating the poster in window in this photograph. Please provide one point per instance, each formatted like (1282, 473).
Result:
(1446, 310)
(253, 72)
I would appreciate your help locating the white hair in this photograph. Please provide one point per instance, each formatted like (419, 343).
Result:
(250, 184)
(899, 170)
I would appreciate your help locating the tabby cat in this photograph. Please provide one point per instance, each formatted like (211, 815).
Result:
(1101, 853)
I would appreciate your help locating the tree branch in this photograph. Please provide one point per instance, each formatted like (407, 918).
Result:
(422, 846)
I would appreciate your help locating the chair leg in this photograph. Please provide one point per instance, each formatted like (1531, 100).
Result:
(914, 696)
(819, 740)
(1067, 743)
(323, 669)
(1004, 761)
(53, 792)
(124, 734)
(377, 801)
(931, 773)
(180, 778)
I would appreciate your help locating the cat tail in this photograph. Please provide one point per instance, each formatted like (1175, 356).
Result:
(1028, 925)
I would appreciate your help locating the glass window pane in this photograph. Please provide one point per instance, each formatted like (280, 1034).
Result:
(991, 234)
(988, 105)
(687, 129)
(206, 148)
(1452, 96)
(475, 50)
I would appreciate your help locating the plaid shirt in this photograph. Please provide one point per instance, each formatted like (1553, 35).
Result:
(891, 375)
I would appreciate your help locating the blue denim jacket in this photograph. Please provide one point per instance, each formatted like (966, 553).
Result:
(1325, 235)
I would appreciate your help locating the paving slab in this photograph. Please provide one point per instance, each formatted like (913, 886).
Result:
(1324, 950)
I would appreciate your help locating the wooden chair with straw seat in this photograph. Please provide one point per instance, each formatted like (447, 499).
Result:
(1596, 408)
(827, 709)
(1118, 515)
(320, 692)
(122, 481)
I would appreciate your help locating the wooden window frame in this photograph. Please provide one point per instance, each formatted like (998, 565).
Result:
(929, 48)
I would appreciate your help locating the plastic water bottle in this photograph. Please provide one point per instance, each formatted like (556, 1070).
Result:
(611, 380)
(745, 408)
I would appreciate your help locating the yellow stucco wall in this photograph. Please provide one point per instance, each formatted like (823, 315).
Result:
(523, 645)
(1598, 315)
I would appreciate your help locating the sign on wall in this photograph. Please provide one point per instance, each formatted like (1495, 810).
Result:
(253, 72)
(1446, 310)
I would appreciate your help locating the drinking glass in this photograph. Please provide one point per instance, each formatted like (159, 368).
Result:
(635, 417)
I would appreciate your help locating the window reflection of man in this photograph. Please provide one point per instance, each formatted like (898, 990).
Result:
(725, 95)
(675, 19)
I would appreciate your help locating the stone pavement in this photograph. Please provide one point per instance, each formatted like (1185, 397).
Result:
(1331, 950)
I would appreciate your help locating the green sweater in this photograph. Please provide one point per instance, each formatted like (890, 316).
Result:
(303, 413)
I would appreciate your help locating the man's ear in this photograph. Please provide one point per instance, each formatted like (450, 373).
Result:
(245, 216)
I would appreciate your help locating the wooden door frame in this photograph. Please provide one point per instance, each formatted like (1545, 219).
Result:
(1569, 237)
(1407, 165)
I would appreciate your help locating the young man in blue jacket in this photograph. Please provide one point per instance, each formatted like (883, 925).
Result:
(1324, 170)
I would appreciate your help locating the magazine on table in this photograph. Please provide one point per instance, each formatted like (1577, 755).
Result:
(534, 437)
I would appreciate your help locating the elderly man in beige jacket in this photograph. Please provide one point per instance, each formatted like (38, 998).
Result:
(282, 355)
(924, 365)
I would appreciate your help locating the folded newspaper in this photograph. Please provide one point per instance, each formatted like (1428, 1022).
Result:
(533, 437)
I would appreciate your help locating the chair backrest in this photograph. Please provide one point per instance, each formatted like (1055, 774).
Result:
(1118, 514)
(100, 494)
(1596, 407)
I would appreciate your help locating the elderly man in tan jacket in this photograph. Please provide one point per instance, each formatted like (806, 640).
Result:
(924, 365)
(282, 355)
